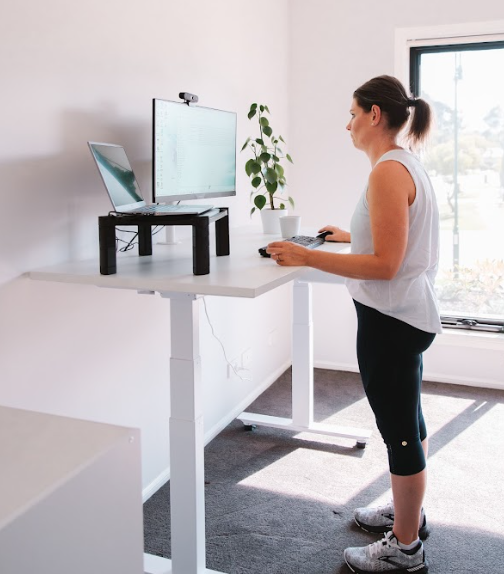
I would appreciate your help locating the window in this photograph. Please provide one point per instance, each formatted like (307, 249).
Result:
(464, 84)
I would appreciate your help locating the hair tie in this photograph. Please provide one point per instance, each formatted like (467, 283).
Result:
(411, 103)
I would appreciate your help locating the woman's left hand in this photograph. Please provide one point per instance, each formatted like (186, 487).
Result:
(286, 253)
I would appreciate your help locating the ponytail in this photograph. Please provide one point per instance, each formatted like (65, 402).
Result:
(420, 123)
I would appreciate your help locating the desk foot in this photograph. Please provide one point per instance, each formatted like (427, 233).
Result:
(251, 419)
(158, 565)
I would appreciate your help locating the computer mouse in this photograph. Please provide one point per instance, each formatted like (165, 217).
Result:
(324, 234)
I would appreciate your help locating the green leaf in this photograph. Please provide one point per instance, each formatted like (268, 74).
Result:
(264, 121)
(248, 167)
(256, 182)
(267, 109)
(253, 107)
(245, 144)
(281, 139)
(261, 107)
(275, 157)
(289, 157)
(252, 211)
(271, 187)
(282, 206)
(265, 157)
(291, 201)
(271, 175)
(252, 167)
(259, 141)
(267, 130)
(259, 201)
(280, 170)
(251, 114)
(282, 181)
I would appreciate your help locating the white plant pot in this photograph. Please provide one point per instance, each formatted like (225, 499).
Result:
(270, 220)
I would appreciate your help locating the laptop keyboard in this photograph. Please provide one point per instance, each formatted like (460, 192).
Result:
(169, 208)
(156, 208)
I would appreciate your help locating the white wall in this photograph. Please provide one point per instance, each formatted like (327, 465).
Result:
(335, 47)
(72, 72)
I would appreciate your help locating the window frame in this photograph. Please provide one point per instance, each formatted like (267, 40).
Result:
(416, 50)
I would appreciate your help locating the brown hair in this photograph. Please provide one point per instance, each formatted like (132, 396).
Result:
(390, 96)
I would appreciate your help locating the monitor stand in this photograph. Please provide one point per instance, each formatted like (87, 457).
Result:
(200, 236)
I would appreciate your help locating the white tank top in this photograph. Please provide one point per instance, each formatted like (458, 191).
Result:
(409, 296)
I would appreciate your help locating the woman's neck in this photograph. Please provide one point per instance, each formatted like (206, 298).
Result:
(381, 148)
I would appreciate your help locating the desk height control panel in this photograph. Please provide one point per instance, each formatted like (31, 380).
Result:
(200, 236)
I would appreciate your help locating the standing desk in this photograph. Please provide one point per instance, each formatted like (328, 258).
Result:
(244, 273)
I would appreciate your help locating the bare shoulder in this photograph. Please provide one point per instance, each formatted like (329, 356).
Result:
(393, 177)
(391, 168)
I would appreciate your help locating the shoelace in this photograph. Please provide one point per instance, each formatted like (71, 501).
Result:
(375, 548)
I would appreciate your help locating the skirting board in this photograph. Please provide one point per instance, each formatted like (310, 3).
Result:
(210, 434)
(428, 376)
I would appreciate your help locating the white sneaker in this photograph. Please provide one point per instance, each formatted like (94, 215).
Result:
(381, 519)
(386, 556)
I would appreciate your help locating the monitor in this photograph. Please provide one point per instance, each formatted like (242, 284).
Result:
(194, 152)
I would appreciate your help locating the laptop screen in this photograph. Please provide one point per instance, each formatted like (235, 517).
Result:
(117, 174)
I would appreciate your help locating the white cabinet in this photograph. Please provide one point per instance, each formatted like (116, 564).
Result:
(70, 496)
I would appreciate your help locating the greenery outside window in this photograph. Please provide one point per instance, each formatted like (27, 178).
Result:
(464, 84)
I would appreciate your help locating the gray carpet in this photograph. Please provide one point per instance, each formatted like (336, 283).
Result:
(281, 503)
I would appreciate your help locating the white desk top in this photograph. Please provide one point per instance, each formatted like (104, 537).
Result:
(243, 273)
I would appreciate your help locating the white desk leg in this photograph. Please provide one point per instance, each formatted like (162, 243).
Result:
(187, 495)
(302, 355)
(186, 439)
(302, 378)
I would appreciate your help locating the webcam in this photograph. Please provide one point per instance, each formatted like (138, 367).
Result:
(187, 97)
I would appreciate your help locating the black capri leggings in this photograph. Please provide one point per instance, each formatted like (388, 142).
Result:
(389, 352)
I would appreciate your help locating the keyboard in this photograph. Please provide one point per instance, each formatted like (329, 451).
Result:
(304, 240)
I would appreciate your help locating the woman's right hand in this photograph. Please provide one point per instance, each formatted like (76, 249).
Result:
(336, 234)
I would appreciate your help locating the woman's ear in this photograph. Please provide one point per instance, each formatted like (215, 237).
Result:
(375, 114)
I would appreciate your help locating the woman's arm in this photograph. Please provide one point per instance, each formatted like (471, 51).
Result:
(390, 192)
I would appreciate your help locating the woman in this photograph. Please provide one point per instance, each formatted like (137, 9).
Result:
(390, 275)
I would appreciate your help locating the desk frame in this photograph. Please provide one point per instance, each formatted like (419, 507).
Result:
(187, 502)
(302, 378)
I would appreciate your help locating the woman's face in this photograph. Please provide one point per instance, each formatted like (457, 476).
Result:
(360, 125)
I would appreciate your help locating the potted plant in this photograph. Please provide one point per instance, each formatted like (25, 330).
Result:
(266, 172)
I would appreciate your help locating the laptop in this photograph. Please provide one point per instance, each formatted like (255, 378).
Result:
(122, 185)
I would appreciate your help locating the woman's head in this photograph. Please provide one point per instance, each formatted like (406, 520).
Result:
(389, 95)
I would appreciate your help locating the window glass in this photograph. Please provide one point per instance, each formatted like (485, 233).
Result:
(465, 159)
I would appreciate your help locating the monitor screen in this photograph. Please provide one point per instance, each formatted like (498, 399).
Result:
(194, 152)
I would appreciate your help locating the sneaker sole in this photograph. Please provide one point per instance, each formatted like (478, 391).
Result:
(423, 532)
(420, 569)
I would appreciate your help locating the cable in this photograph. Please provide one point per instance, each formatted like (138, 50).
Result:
(235, 371)
(131, 243)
